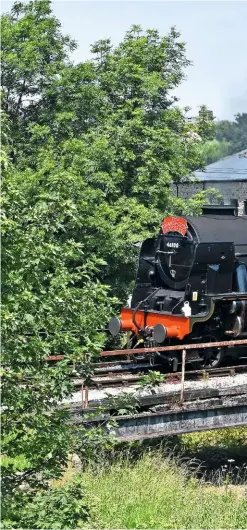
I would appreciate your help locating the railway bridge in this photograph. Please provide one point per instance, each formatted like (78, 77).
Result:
(214, 413)
(216, 400)
(163, 414)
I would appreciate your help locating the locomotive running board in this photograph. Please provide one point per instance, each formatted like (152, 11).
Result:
(227, 343)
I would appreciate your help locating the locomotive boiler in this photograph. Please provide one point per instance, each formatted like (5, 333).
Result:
(191, 287)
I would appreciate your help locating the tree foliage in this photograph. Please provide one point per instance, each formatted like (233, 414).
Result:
(52, 304)
(56, 508)
(205, 123)
(220, 138)
(233, 132)
(91, 152)
(34, 52)
(229, 137)
(214, 150)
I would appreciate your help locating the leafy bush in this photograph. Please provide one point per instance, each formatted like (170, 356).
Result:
(232, 438)
(60, 507)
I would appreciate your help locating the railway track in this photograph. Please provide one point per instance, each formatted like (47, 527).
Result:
(126, 372)
(110, 379)
(130, 371)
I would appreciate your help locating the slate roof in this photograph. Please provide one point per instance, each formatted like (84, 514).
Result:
(232, 167)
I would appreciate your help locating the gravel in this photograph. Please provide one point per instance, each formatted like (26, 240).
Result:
(164, 388)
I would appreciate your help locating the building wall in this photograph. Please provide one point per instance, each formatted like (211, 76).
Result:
(230, 192)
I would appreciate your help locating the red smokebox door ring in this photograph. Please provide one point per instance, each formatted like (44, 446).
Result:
(174, 224)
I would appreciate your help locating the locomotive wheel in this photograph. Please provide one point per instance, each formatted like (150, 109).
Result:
(212, 357)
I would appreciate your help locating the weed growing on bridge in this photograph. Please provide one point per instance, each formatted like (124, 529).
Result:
(151, 380)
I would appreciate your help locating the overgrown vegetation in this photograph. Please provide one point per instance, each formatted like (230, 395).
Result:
(151, 380)
(59, 507)
(155, 492)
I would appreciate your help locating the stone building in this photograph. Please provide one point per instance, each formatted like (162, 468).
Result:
(228, 176)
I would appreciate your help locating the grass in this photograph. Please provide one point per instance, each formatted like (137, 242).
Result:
(157, 493)
(142, 487)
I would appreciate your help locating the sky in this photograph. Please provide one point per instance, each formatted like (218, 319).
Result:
(215, 33)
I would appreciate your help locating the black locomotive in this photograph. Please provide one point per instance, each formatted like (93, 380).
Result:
(191, 287)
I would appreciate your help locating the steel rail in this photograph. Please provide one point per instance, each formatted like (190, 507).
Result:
(109, 379)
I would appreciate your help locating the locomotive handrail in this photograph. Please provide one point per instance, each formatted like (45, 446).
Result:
(231, 296)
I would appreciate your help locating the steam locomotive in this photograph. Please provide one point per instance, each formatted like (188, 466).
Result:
(191, 287)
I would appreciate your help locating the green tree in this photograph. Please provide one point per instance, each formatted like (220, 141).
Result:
(224, 130)
(240, 137)
(113, 122)
(214, 150)
(141, 147)
(52, 304)
(233, 132)
(91, 154)
(33, 54)
(205, 123)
